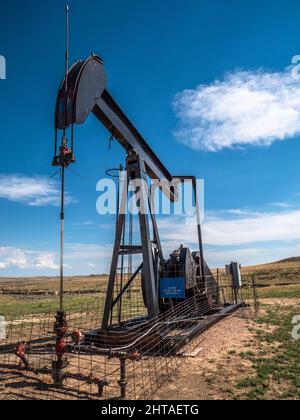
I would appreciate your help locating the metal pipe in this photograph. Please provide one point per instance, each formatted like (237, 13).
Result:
(62, 224)
(123, 381)
(202, 262)
(55, 142)
(66, 68)
(255, 299)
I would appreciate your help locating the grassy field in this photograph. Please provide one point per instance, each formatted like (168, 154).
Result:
(276, 367)
(50, 285)
(277, 280)
(249, 357)
(40, 295)
(258, 358)
(273, 356)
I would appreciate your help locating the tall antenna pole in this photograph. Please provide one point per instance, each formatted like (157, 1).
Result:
(64, 143)
(62, 222)
(61, 324)
(66, 67)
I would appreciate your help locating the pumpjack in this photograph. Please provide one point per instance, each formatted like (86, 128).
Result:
(164, 283)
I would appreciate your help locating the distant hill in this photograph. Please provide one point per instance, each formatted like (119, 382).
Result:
(287, 263)
(290, 260)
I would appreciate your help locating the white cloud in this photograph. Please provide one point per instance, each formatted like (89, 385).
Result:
(249, 237)
(251, 256)
(86, 223)
(33, 191)
(3, 265)
(88, 252)
(245, 108)
(241, 230)
(263, 227)
(11, 257)
(79, 258)
(92, 265)
(46, 261)
(87, 257)
(282, 205)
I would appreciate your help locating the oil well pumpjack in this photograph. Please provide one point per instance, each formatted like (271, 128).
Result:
(165, 284)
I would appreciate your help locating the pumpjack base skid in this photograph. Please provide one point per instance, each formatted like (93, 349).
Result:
(164, 337)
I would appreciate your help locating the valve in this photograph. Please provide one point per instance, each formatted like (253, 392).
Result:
(77, 336)
(101, 385)
(20, 352)
(66, 155)
(60, 348)
(59, 366)
(61, 326)
(135, 356)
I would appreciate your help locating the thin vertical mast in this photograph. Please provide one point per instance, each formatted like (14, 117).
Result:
(64, 140)
(66, 67)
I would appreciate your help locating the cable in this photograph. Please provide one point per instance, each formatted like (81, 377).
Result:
(79, 175)
(55, 174)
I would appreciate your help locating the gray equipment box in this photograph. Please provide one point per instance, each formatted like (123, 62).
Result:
(234, 269)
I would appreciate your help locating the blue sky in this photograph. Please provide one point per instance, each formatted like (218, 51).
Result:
(208, 84)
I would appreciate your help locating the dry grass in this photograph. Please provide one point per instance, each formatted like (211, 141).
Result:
(243, 359)
(51, 284)
(248, 354)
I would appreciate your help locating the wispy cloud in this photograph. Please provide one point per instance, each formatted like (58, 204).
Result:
(249, 237)
(252, 255)
(80, 258)
(240, 230)
(11, 257)
(3, 265)
(46, 261)
(92, 265)
(88, 252)
(36, 191)
(263, 227)
(87, 223)
(89, 257)
(245, 108)
(282, 205)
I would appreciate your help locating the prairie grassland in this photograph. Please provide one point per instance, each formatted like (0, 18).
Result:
(40, 294)
(249, 358)
(50, 285)
(257, 357)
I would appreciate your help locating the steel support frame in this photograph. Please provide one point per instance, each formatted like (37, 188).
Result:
(112, 117)
(135, 167)
(193, 180)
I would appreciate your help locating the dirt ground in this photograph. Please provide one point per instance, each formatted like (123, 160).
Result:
(195, 378)
(219, 360)
(213, 372)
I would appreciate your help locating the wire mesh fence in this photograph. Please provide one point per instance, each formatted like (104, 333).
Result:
(131, 360)
(132, 304)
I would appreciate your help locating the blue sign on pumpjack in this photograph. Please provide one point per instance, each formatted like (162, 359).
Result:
(172, 288)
